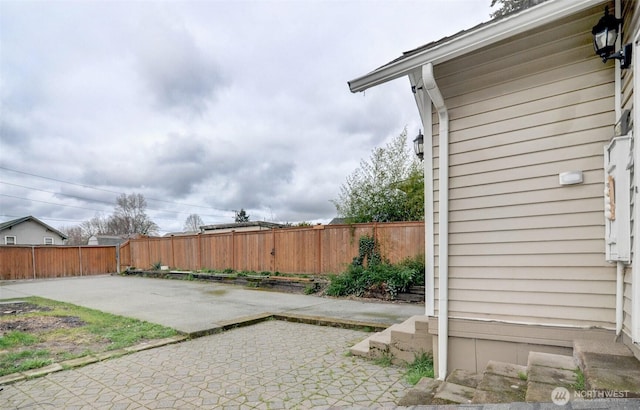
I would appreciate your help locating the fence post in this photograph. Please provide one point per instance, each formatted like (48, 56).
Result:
(319, 239)
(173, 254)
(233, 250)
(273, 250)
(33, 260)
(80, 256)
(200, 251)
(118, 258)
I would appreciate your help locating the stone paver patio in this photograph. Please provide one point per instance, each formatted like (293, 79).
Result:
(270, 365)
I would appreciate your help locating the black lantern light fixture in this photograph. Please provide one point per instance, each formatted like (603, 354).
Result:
(605, 34)
(418, 145)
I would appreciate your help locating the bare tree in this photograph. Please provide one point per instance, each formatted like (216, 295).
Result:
(193, 223)
(98, 225)
(75, 235)
(130, 217)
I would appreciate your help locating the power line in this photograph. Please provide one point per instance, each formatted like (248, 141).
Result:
(51, 203)
(57, 193)
(91, 199)
(110, 191)
(42, 217)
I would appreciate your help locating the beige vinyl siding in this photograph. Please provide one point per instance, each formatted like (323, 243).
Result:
(522, 247)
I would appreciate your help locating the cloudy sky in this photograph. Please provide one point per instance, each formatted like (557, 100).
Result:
(202, 106)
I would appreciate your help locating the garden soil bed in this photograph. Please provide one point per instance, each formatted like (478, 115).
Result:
(289, 284)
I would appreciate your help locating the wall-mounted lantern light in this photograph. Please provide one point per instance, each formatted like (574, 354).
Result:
(605, 34)
(418, 145)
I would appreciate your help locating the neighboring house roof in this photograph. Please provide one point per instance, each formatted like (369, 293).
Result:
(261, 224)
(187, 233)
(14, 222)
(106, 240)
(338, 221)
(467, 41)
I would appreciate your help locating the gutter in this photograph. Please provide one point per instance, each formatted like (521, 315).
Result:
(431, 87)
(618, 109)
(472, 40)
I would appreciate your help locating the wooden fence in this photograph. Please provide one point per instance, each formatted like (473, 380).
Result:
(319, 249)
(46, 261)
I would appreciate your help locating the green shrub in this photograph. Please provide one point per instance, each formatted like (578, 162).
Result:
(384, 277)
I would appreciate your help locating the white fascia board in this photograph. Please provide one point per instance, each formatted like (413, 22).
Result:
(483, 36)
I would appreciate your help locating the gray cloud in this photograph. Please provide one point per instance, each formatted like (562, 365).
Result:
(203, 107)
(178, 73)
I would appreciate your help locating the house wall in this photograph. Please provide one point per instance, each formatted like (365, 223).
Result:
(30, 233)
(524, 249)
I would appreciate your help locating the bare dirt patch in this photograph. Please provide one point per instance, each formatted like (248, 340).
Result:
(38, 324)
(36, 332)
(33, 324)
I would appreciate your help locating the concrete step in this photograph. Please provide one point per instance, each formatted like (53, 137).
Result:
(410, 338)
(454, 393)
(373, 346)
(501, 383)
(545, 372)
(403, 341)
(361, 348)
(421, 394)
(608, 367)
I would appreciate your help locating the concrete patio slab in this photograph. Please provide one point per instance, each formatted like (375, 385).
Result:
(196, 307)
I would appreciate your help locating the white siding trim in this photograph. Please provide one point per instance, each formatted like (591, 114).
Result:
(472, 40)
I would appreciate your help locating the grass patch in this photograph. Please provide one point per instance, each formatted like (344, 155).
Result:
(385, 360)
(24, 360)
(579, 385)
(16, 338)
(61, 331)
(422, 366)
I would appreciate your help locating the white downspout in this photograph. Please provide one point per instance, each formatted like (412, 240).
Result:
(635, 281)
(429, 83)
(424, 107)
(619, 297)
(618, 109)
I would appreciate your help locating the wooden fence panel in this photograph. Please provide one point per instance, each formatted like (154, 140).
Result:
(125, 254)
(46, 261)
(140, 253)
(16, 262)
(399, 240)
(54, 262)
(160, 251)
(340, 245)
(217, 251)
(186, 252)
(98, 260)
(296, 250)
(252, 251)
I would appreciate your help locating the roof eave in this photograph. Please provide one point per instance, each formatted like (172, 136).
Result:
(483, 36)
